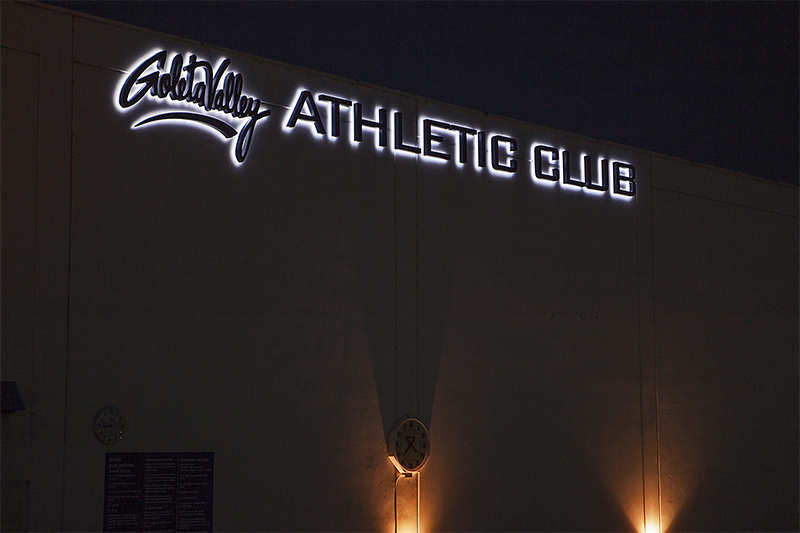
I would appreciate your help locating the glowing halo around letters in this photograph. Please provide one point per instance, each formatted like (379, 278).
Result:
(211, 97)
(152, 78)
(402, 135)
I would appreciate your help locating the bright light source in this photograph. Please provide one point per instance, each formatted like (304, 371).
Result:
(652, 527)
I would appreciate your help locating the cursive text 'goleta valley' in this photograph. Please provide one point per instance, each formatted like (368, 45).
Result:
(196, 83)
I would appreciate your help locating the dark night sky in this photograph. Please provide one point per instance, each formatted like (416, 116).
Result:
(710, 82)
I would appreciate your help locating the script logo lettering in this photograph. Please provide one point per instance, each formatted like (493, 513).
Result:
(195, 83)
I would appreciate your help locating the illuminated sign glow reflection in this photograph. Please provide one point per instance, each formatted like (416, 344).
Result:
(199, 84)
(212, 99)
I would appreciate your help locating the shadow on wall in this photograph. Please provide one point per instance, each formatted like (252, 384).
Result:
(403, 287)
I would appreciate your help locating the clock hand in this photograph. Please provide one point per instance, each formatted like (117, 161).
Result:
(410, 444)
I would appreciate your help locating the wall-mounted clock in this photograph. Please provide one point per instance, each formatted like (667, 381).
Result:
(108, 425)
(409, 445)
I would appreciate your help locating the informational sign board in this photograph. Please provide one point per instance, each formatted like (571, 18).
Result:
(159, 492)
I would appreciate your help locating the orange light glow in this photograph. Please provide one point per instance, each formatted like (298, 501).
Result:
(652, 527)
(406, 515)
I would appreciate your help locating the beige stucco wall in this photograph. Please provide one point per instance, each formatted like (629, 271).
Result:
(580, 360)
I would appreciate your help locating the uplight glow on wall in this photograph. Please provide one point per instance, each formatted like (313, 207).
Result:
(195, 92)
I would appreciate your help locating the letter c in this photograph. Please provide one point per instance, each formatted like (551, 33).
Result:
(512, 147)
(537, 163)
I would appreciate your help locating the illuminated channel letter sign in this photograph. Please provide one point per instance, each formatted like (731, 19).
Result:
(214, 97)
(197, 83)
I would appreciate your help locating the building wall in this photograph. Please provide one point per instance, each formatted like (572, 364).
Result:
(584, 362)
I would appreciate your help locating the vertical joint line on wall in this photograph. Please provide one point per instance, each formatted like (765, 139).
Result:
(655, 354)
(395, 290)
(648, 396)
(416, 272)
(69, 272)
(34, 386)
(641, 381)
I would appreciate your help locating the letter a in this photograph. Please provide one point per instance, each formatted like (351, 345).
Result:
(297, 113)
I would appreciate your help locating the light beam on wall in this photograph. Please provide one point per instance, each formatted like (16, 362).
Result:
(652, 527)
(406, 503)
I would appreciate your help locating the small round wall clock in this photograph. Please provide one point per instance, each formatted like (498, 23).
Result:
(108, 425)
(409, 445)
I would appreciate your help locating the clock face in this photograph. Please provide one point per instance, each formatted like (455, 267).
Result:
(108, 425)
(409, 445)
